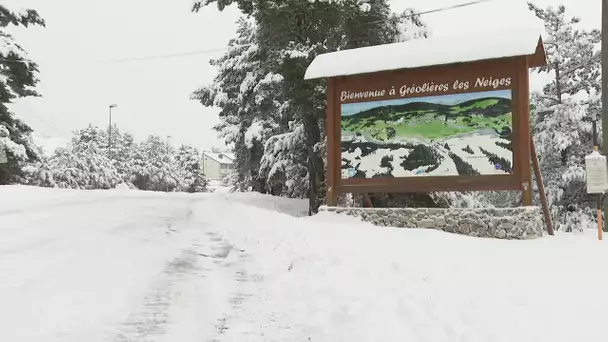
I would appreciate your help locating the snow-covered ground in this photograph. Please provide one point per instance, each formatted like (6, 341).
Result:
(138, 266)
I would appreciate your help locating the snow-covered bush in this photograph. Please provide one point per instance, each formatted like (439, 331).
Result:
(85, 163)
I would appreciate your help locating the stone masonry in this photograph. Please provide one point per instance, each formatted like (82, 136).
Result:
(501, 223)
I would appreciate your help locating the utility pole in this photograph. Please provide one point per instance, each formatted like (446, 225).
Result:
(110, 133)
(605, 89)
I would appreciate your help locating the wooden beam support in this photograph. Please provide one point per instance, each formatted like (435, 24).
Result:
(541, 187)
(332, 194)
(523, 122)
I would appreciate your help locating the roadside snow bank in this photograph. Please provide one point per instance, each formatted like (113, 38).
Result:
(292, 206)
(327, 278)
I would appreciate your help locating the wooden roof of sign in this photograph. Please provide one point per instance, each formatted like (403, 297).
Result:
(431, 52)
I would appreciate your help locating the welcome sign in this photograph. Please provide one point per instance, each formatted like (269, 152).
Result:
(421, 117)
(430, 129)
(428, 87)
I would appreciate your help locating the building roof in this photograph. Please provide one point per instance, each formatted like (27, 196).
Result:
(220, 157)
(430, 52)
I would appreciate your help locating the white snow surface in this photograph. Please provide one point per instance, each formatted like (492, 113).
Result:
(426, 52)
(125, 265)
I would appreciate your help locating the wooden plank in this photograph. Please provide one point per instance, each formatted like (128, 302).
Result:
(337, 110)
(523, 128)
(541, 187)
(429, 184)
(332, 197)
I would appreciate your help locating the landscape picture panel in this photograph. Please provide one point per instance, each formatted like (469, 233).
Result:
(445, 135)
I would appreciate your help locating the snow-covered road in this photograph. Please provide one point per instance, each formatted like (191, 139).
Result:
(108, 267)
(135, 266)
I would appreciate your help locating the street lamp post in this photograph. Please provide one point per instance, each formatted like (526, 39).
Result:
(167, 146)
(168, 160)
(110, 132)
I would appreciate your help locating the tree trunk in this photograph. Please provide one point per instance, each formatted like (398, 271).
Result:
(315, 163)
(558, 85)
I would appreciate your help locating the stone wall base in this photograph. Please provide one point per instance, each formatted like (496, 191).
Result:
(501, 223)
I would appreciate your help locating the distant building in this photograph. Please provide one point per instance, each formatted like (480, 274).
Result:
(217, 165)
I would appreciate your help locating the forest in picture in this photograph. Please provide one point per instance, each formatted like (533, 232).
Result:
(457, 134)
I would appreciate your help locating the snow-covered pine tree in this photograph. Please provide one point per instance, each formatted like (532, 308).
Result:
(187, 161)
(283, 166)
(287, 46)
(246, 92)
(561, 121)
(17, 79)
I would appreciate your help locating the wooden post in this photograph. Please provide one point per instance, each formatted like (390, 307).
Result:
(332, 196)
(367, 202)
(599, 224)
(598, 197)
(523, 121)
(541, 187)
(604, 89)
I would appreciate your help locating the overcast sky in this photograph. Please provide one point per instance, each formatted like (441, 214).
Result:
(82, 37)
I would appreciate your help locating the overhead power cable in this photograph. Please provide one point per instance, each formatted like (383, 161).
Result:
(200, 52)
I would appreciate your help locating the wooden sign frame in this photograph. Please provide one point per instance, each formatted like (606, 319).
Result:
(504, 73)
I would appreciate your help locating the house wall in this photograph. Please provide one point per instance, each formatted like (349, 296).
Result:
(211, 168)
(225, 169)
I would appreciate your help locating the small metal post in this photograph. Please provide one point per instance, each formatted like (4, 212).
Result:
(598, 199)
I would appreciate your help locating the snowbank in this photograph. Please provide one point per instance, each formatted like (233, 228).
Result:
(329, 278)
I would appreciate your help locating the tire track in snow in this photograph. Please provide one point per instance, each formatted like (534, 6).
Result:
(182, 304)
(152, 317)
(242, 290)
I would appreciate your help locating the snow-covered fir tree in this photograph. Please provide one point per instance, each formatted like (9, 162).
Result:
(282, 172)
(187, 161)
(247, 93)
(562, 128)
(264, 94)
(17, 79)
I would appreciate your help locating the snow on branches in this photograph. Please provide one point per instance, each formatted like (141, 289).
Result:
(283, 167)
(150, 165)
(563, 111)
(18, 151)
(272, 118)
(17, 79)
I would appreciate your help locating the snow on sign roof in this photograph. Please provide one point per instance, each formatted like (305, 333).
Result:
(430, 52)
